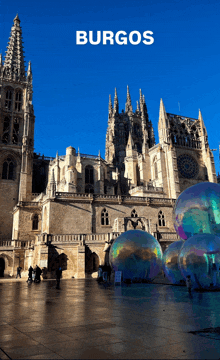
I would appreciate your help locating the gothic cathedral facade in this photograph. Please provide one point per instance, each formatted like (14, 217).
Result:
(66, 210)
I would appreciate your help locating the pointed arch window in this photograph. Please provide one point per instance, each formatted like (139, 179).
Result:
(155, 169)
(104, 217)
(18, 101)
(15, 131)
(89, 174)
(134, 214)
(6, 130)
(35, 222)
(8, 99)
(138, 175)
(161, 218)
(89, 179)
(8, 169)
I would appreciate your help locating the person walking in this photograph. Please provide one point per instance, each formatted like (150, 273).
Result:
(38, 272)
(30, 272)
(109, 271)
(58, 276)
(18, 272)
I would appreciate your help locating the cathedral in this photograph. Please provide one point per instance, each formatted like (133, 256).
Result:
(65, 211)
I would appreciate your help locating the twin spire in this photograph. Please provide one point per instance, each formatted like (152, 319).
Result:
(141, 105)
(14, 67)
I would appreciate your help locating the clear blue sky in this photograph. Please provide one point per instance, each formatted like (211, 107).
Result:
(72, 83)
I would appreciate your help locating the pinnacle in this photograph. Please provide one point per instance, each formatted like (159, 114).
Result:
(17, 19)
(140, 96)
(128, 106)
(116, 105)
(14, 59)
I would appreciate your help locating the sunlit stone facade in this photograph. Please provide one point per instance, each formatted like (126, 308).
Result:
(67, 209)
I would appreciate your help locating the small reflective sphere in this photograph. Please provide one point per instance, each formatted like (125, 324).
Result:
(197, 210)
(170, 262)
(200, 258)
(137, 254)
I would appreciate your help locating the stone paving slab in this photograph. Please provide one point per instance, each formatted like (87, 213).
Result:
(86, 320)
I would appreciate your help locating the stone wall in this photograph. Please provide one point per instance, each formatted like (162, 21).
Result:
(70, 218)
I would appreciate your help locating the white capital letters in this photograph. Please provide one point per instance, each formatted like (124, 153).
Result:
(108, 36)
(138, 37)
(123, 40)
(81, 38)
(91, 38)
(151, 39)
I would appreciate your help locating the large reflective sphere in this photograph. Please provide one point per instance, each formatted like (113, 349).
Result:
(197, 210)
(170, 262)
(137, 254)
(200, 258)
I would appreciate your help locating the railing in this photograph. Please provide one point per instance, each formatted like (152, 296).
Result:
(38, 156)
(86, 238)
(162, 201)
(22, 244)
(146, 188)
(120, 198)
(181, 117)
(16, 243)
(166, 236)
(28, 203)
(90, 156)
(59, 195)
(104, 196)
(5, 243)
(135, 198)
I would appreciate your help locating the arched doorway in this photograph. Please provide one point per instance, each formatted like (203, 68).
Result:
(2, 267)
(92, 261)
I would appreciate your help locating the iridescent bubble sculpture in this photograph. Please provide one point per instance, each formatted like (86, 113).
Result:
(200, 258)
(197, 210)
(137, 254)
(170, 262)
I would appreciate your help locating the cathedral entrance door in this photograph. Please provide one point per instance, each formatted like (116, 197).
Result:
(91, 261)
(2, 267)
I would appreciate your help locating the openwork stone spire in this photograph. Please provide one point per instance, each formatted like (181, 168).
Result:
(116, 105)
(141, 97)
(29, 73)
(128, 106)
(14, 68)
(110, 108)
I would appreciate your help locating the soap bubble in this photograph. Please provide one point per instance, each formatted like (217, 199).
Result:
(197, 210)
(137, 254)
(170, 262)
(200, 258)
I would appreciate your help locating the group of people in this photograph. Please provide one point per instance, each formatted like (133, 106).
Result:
(34, 274)
(104, 273)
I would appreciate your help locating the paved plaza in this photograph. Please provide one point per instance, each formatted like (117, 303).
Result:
(85, 320)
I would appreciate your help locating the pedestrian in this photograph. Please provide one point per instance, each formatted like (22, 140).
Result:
(105, 273)
(38, 272)
(18, 272)
(100, 272)
(189, 284)
(109, 273)
(58, 276)
(30, 272)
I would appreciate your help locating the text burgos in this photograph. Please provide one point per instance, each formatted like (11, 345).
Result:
(108, 37)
